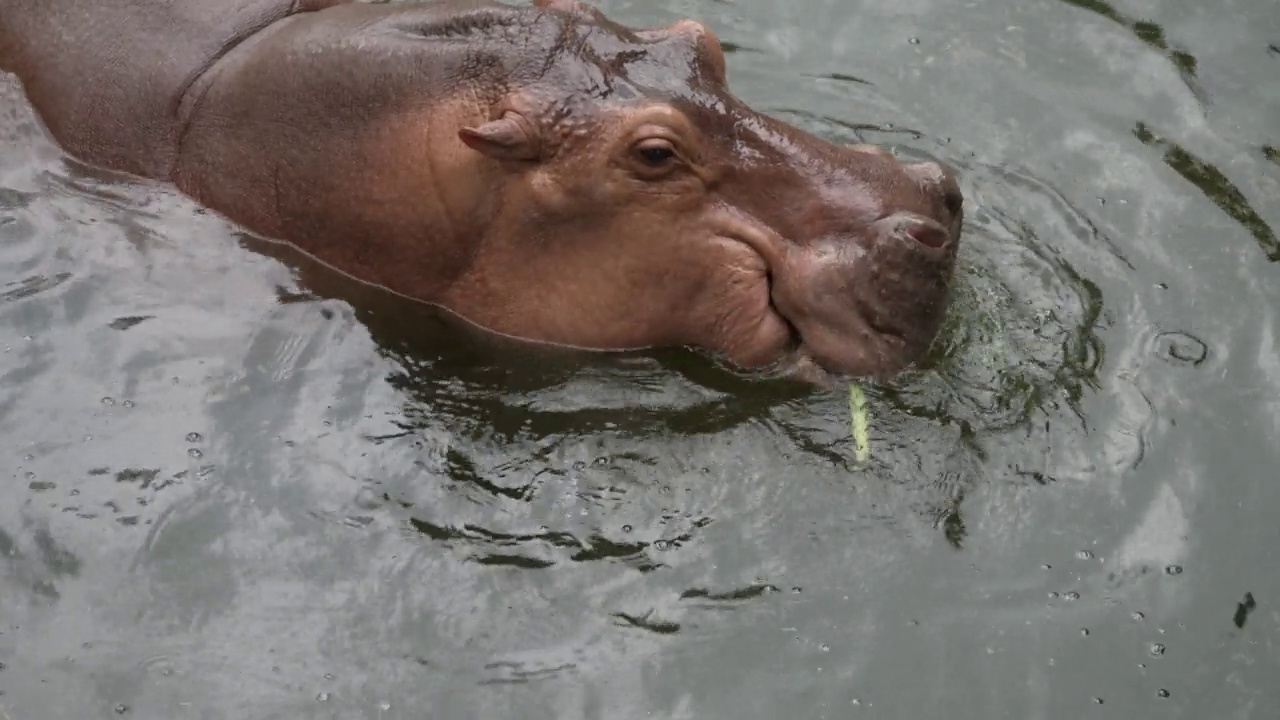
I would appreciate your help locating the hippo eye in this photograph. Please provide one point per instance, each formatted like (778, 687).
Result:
(656, 153)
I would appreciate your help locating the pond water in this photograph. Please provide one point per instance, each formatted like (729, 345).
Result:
(236, 486)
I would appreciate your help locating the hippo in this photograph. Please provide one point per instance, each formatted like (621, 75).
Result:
(540, 171)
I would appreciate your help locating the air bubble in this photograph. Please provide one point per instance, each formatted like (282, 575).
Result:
(1162, 693)
(1137, 615)
(122, 709)
(1046, 566)
(913, 41)
(1173, 570)
(1084, 632)
(826, 647)
(323, 697)
(1073, 595)
(1157, 649)
(108, 401)
(1053, 595)
(194, 437)
(1097, 701)
(127, 403)
(195, 453)
(1084, 555)
(626, 528)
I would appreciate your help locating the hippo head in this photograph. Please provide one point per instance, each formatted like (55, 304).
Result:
(648, 206)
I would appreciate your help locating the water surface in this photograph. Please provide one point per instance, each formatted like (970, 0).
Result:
(237, 486)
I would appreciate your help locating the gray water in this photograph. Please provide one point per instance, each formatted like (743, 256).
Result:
(237, 486)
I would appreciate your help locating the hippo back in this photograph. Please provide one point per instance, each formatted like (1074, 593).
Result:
(107, 76)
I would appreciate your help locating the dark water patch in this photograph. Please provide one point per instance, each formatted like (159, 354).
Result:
(1215, 186)
(33, 285)
(137, 475)
(1271, 153)
(648, 622)
(1243, 609)
(749, 592)
(841, 77)
(516, 561)
(732, 47)
(128, 321)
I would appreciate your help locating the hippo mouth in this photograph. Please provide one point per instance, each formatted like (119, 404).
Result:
(853, 310)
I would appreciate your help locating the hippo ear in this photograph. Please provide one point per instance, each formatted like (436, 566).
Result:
(507, 138)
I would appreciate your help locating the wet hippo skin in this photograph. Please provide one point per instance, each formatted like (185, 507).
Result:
(539, 170)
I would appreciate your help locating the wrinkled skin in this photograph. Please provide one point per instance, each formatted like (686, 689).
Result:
(541, 171)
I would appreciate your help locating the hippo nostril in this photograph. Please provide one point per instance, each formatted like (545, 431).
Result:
(929, 234)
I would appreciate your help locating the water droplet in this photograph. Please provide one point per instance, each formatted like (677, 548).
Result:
(323, 697)
(122, 709)
(1085, 555)
(30, 475)
(661, 544)
(796, 590)
(74, 493)
(127, 403)
(1162, 693)
(384, 706)
(913, 40)
(1174, 570)
(1157, 649)
(1053, 594)
(855, 701)
(1073, 595)
(194, 437)
(1137, 615)
(1084, 632)
(1097, 701)
(601, 461)
(1142, 666)
(195, 453)
(328, 676)
(108, 401)
(826, 647)
(28, 457)
(626, 528)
